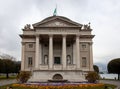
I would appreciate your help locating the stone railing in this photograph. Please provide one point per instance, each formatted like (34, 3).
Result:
(57, 67)
(71, 67)
(43, 67)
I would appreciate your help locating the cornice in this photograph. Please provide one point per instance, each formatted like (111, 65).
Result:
(87, 36)
(27, 36)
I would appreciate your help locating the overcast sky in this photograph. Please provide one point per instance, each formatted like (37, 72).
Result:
(104, 16)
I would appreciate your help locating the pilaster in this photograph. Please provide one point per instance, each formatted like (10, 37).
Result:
(37, 52)
(40, 53)
(77, 51)
(91, 57)
(23, 57)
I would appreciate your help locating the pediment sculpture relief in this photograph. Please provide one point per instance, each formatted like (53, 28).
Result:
(57, 23)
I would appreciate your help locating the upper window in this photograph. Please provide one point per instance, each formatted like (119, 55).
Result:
(83, 46)
(30, 45)
(84, 62)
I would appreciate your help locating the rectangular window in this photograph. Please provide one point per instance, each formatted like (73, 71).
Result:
(30, 61)
(84, 62)
(57, 60)
(30, 45)
(83, 46)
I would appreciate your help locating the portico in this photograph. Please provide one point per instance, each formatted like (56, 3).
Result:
(57, 60)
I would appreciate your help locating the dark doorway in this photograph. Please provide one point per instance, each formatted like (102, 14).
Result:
(57, 77)
(57, 60)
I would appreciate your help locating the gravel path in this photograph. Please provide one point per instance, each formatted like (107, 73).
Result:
(117, 83)
(5, 82)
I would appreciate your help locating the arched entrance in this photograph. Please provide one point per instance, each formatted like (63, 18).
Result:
(57, 77)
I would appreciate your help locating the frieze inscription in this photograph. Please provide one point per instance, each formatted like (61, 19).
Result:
(58, 31)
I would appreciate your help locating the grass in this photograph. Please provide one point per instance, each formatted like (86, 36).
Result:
(110, 79)
(4, 77)
(102, 87)
(110, 85)
(4, 87)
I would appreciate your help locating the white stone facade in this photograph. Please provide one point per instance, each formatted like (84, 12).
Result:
(73, 76)
(57, 45)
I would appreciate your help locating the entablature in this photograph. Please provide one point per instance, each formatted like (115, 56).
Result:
(87, 36)
(27, 36)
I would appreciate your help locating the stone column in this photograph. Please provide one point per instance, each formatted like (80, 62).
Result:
(50, 51)
(77, 52)
(23, 57)
(37, 52)
(74, 53)
(64, 51)
(91, 57)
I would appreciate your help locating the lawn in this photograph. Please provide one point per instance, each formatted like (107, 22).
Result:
(81, 86)
(4, 77)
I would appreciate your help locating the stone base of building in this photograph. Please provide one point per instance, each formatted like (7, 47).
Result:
(69, 75)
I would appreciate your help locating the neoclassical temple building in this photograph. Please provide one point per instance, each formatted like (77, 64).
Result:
(57, 48)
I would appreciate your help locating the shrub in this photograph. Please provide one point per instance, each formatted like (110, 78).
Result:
(92, 77)
(23, 76)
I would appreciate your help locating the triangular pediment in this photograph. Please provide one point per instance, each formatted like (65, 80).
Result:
(57, 21)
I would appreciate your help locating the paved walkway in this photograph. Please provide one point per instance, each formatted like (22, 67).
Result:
(5, 82)
(117, 83)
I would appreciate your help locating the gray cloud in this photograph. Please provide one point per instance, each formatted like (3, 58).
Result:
(103, 14)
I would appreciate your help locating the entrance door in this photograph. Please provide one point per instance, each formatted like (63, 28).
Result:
(57, 60)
